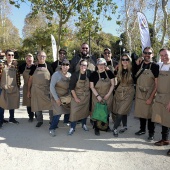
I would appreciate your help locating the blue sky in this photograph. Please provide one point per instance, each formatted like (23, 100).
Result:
(18, 15)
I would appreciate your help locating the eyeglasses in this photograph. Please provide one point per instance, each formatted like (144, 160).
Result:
(149, 53)
(84, 48)
(125, 59)
(63, 53)
(10, 54)
(107, 53)
(83, 65)
(65, 64)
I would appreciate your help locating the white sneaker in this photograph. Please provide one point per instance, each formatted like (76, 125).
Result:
(115, 133)
(52, 133)
(71, 131)
(85, 128)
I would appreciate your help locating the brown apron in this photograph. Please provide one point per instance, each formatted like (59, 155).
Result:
(159, 112)
(40, 90)
(102, 87)
(145, 86)
(26, 100)
(80, 110)
(10, 96)
(91, 65)
(62, 89)
(123, 98)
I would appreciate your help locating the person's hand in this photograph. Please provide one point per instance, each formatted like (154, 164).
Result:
(77, 100)
(149, 101)
(28, 94)
(58, 101)
(139, 60)
(99, 98)
(106, 97)
(168, 107)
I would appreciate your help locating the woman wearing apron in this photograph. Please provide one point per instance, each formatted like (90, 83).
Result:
(124, 94)
(10, 83)
(24, 69)
(79, 86)
(59, 87)
(101, 84)
(39, 88)
(160, 113)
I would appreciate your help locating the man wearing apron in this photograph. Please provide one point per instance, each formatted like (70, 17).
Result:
(57, 64)
(9, 88)
(24, 69)
(145, 91)
(160, 113)
(59, 87)
(39, 88)
(84, 54)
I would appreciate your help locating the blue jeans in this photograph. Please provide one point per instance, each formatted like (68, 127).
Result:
(55, 121)
(83, 121)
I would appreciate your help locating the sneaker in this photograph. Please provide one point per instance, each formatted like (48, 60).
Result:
(52, 132)
(115, 133)
(13, 121)
(151, 138)
(162, 143)
(5, 121)
(71, 131)
(140, 132)
(85, 128)
(123, 130)
(39, 124)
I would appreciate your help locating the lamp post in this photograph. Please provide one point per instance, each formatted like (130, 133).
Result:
(120, 44)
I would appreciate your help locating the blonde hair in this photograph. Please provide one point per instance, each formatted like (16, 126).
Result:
(127, 78)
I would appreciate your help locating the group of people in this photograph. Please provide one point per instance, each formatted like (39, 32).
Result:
(73, 89)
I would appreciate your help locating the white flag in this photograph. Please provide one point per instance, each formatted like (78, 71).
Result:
(144, 30)
(54, 47)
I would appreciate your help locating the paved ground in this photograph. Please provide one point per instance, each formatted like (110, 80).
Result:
(26, 147)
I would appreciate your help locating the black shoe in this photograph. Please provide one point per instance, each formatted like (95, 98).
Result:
(30, 120)
(150, 138)
(140, 132)
(5, 121)
(13, 121)
(39, 124)
(96, 132)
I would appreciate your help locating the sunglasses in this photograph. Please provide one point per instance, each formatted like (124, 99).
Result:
(107, 53)
(84, 48)
(123, 59)
(65, 64)
(10, 54)
(149, 53)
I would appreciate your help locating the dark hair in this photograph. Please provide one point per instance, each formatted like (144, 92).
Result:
(7, 51)
(62, 50)
(83, 61)
(150, 48)
(162, 49)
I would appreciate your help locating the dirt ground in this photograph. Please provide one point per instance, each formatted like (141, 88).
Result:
(26, 147)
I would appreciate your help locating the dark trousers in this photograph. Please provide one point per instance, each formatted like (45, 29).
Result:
(120, 118)
(11, 114)
(165, 133)
(30, 113)
(83, 121)
(151, 125)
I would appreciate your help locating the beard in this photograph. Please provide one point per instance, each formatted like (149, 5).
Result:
(84, 53)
